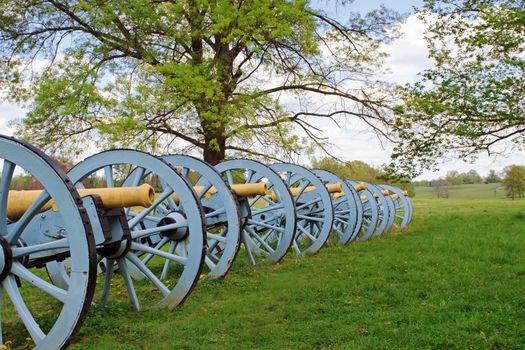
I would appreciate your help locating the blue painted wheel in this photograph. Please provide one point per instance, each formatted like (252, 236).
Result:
(29, 240)
(401, 206)
(182, 244)
(410, 209)
(348, 214)
(270, 225)
(315, 214)
(222, 213)
(391, 208)
(384, 213)
(370, 213)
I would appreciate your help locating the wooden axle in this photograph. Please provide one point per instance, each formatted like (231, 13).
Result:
(18, 202)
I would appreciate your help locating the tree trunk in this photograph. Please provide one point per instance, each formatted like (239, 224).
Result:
(214, 151)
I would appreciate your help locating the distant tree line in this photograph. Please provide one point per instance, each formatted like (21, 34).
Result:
(360, 171)
(512, 178)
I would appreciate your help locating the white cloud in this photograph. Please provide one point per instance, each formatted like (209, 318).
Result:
(408, 54)
(8, 112)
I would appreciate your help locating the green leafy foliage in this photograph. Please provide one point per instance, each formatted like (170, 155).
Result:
(472, 99)
(514, 181)
(189, 74)
(361, 171)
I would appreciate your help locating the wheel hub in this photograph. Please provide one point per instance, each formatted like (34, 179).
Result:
(6, 258)
(176, 234)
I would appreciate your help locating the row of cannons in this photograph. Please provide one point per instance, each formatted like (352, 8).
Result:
(153, 226)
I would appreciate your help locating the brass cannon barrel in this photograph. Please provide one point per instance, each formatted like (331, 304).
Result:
(120, 197)
(359, 187)
(241, 190)
(332, 188)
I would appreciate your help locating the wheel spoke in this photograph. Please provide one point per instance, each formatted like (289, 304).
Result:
(147, 272)
(313, 201)
(161, 253)
(124, 271)
(296, 247)
(249, 252)
(185, 172)
(107, 282)
(21, 224)
(260, 223)
(154, 230)
(159, 246)
(5, 182)
(211, 265)
(22, 272)
(229, 176)
(249, 176)
(216, 237)
(108, 172)
(341, 220)
(307, 234)
(165, 194)
(260, 240)
(301, 191)
(266, 209)
(167, 263)
(217, 212)
(32, 327)
(310, 218)
(23, 251)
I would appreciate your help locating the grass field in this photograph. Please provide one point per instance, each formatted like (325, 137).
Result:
(478, 191)
(454, 280)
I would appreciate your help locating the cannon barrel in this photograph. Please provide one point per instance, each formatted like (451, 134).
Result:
(120, 197)
(241, 190)
(360, 186)
(332, 188)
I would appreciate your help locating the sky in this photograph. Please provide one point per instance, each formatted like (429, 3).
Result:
(408, 57)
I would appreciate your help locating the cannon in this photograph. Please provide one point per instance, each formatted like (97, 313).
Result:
(383, 206)
(126, 248)
(38, 236)
(315, 213)
(270, 221)
(370, 210)
(402, 205)
(221, 210)
(348, 210)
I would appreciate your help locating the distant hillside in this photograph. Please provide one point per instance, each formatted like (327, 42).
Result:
(480, 191)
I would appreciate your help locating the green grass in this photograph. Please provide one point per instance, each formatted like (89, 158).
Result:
(454, 280)
(478, 191)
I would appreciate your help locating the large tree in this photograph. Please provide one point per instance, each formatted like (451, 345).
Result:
(514, 181)
(217, 75)
(473, 98)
